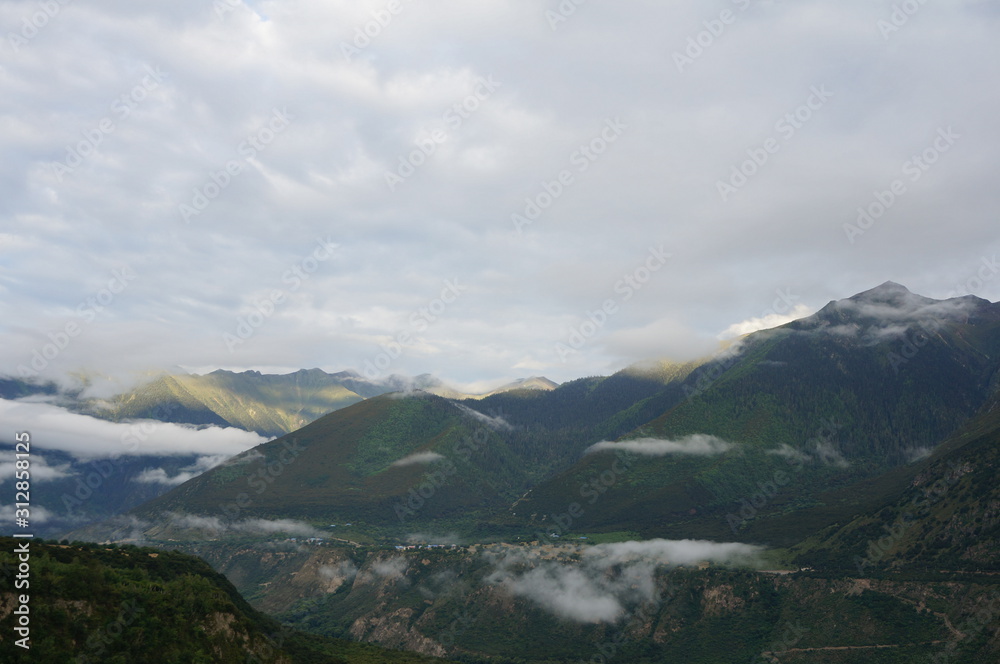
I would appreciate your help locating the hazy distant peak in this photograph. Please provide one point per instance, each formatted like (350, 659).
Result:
(892, 294)
(531, 383)
(889, 310)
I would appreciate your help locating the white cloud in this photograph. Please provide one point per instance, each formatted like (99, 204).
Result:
(830, 455)
(788, 452)
(40, 470)
(606, 580)
(217, 526)
(823, 452)
(426, 538)
(160, 476)
(418, 458)
(87, 437)
(496, 423)
(918, 454)
(393, 568)
(36, 514)
(694, 445)
(345, 570)
(223, 76)
(389, 569)
(765, 322)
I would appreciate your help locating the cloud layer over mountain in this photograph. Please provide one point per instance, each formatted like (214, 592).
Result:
(695, 445)
(607, 580)
(469, 185)
(86, 437)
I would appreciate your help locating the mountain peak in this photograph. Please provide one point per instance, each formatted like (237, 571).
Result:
(890, 293)
(890, 287)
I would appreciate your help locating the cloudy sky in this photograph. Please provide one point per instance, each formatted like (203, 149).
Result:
(296, 184)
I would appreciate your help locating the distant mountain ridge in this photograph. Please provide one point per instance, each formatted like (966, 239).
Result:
(861, 444)
(270, 404)
(822, 397)
(863, 386)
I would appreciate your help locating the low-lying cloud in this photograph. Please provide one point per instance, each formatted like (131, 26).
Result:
(391, 569)
(40, 470)
(426, 538)
(161, 476)
(893, 317)
(343, 571)
(87, 438)
(217, 526)
(421, 458)
(496, 423)
(38, 513)
(766, 322)
(603, 583)
(822, 452)
(909, 308)
(694, 445)
(915, 454)
(394, 568)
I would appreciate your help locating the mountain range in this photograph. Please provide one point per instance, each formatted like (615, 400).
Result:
(797, 413)
(822, 491)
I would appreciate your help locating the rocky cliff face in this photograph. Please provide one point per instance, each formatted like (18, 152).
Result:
(508, 603)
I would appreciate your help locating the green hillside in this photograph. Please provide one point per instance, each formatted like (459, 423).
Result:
(271, 405)
(861, 445)
(945, 517)
(455, 602)
(809, 409)
(341, 469)
(120, 605)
